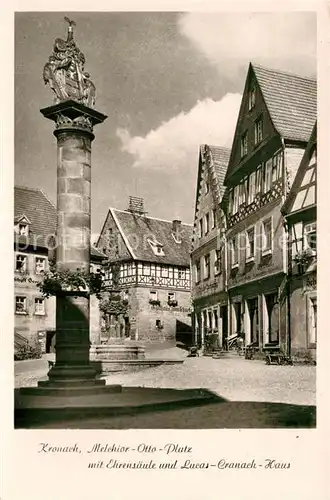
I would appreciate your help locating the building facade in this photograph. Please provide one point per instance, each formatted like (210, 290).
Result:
(208, 255)
(34, 242)
(151, 258)
(276, 117)
(299, 211)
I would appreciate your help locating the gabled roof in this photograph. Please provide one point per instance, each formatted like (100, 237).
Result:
(137, 229)
(298, 183)
(41, 213)
(219, 159)
(220, 156)
(291, 101)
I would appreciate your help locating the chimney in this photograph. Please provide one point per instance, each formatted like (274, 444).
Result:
(176, 230)
(136, 205)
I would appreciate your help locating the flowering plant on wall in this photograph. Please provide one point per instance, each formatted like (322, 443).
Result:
(303, 259)
(56, 283)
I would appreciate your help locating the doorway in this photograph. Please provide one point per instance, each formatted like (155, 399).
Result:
(254, 320)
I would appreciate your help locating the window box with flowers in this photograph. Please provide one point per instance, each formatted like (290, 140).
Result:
(303, 260)
(74, 283)
(154, 302)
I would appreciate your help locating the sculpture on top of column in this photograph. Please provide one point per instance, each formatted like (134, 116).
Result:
(64, 72)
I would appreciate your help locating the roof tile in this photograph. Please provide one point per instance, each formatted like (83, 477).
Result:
(138, 228)
(291, 101)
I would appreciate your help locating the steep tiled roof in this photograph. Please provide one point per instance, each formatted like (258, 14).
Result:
(220, 157)
(137, 229)
(291, 101)
(41, 212)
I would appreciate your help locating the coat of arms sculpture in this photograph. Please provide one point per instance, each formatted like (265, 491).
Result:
(64, 72)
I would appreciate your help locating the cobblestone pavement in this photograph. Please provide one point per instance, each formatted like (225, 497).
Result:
(232, 378)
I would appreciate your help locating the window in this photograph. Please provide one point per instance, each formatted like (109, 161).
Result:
(159, 324)
(164, 272)
(252, 188)
(213, 218)
(40, 265)
(268, 176)
(39, 306)
(310, 236)
(267, 237)
(250, 244)
(244, 145)
(235, 199)
(312, 320)
(258, 131)
(171, 299)
(201, 228)
(198, 271)
(207, 223)
(217, 261)
(277, 166)
(234, 251)
(23, 229)
(156, 247)
(21, 263)
(259, 179)
(153, 295)
(20, 305)
(242, 193)
(252, 98)
(206, 266)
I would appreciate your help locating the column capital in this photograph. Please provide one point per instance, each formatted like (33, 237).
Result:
(71, 116)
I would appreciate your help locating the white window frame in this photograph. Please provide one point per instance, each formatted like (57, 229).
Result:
(24, 225)
(268, 172)
(153, 295)
(312, 229)
(43, 259)
(234, 261)
(217, 260)
(252, 187)
(244, 144)
(267, 250)
(258, 131)
(235, 199)
(213, 218)
(24, 310)
(156, 247)
(207, 268)
(17, 259)
(43, 311)
(250, 257)
(252, 98)
(171, 296)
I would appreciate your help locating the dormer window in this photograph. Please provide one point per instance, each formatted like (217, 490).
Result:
(156, 247)
(23, 229)
(21, 224)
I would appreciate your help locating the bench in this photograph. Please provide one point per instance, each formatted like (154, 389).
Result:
(275, 356)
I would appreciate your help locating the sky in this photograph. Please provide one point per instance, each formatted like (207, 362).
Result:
(167, 82)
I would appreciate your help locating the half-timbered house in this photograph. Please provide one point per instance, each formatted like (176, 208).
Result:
(299, 210)
(276, 117)
(151, 260)
(208, 253)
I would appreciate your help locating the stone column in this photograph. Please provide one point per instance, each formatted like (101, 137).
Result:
(74, 133)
